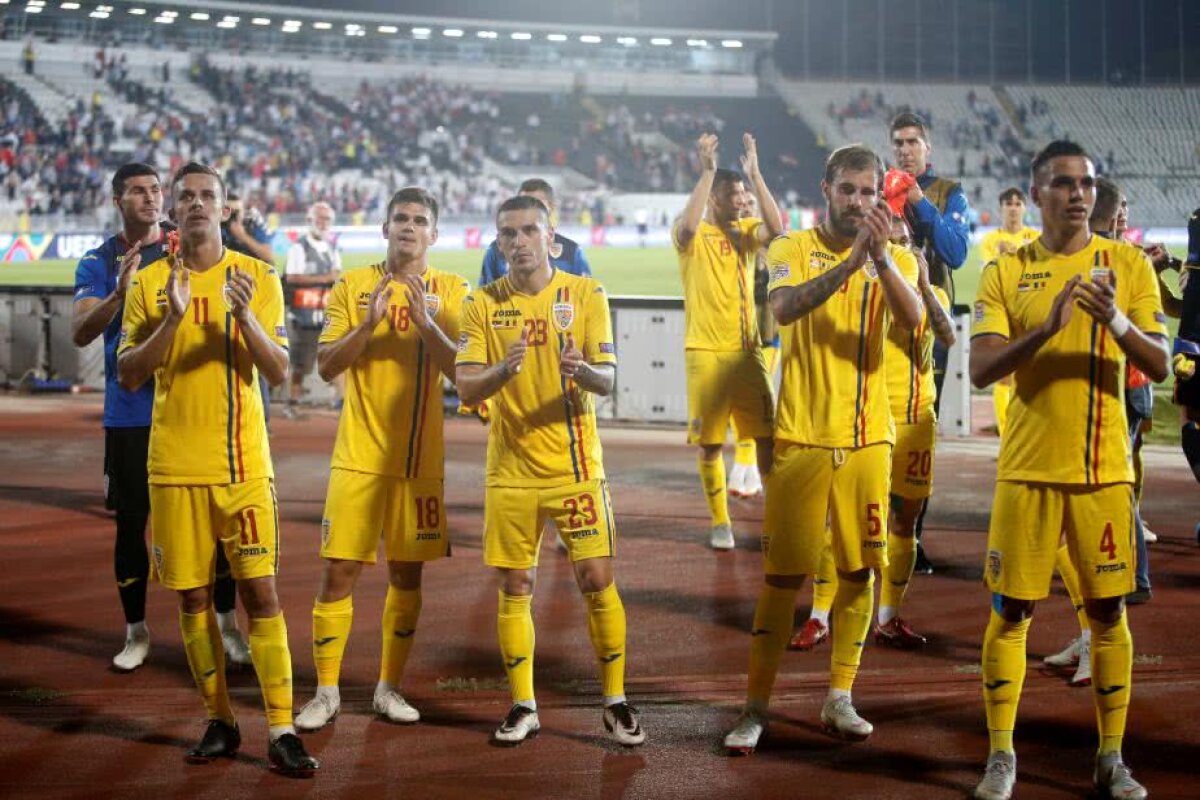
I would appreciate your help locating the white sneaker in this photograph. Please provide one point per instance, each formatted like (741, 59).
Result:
(1116, 779)
(721, 537)
(753, 485)
(1083, 673)
(318, 712)
(735, 483)
(621, 720)
(1150, 536)
(236, 650)
(520, 724)
(394, 708)
(133, 654)
(744, 737)
(841, 720)
(998, 778)
(1067, 657)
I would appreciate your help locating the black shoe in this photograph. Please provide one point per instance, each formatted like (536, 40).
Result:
(220, 740)
(288, 757)
(922, 566)
(1138, 597)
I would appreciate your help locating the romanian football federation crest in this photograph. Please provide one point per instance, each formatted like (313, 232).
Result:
(564, 315)
(433, 302)
(869, 268)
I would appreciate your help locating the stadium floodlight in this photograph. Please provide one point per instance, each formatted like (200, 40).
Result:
(36, 10)
(97, 14)
(520, 36)
(556, 37)
(36, 3)
(231, 18)
(322, 26)
(138, 12)
(171, 14)
(227, 24)
(161, 20)
(486, 34)
(588, 38)
(421, 32)
(628, 41)
(199, 16)
(388, 29)
(697, 43)
(260, 21)
(731, 43)
(659, 41)
(69, 6)
(452, 33)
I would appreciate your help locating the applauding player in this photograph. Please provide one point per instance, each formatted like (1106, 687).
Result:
(388, 327)
(539, 343)
(204, 324)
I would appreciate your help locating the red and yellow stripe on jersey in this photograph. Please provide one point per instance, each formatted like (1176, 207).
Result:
(1066, 423)
(834, 392)
(543, 426)
(908, 360)
(391, 422)
(717, 268)
(208, 425)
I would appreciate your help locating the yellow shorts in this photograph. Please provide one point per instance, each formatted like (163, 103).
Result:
(725, 386)
(1028, 520)
(808, 485)
(361, 507)
(514, 518)
(187, 522)
(912, 459)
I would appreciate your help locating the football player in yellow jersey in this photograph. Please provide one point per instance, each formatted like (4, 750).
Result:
(1063, 315)
(390, 328)
(204, 323)
(835, 291)
(539, 342)
(726, 375)
(1012, 234)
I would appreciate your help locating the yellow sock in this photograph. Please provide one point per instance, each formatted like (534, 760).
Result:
(606, 626)
(1070, 578)
(825, 583)
(206, 657)
(774, 617)
(1001, 395)
(1112, 677)
(851, 621)
(273, 663)
(712, 477)
(1003, 677)
(745, 454)
(515, 626)
(331, 630)
(400, 613)
(902, 555)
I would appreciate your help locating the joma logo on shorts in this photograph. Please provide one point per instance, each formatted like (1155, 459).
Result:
(874, 544)
(428, 536)
(253, 551)
(1103, 568)
(584, 534)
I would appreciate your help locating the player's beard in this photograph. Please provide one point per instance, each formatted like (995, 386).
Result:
(845, 223)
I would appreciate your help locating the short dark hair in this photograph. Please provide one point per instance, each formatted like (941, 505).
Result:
(1108, 202)
(413, 194)
(853, 157)
(723, 177)
(196, 168)
(522, 202)
(538, 185)
(1012, 191)
(1056, 149)
(134, 169)
(908, 119)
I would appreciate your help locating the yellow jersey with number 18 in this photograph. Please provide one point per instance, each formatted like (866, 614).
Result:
(543, 426)
(1066, 423)
(834, 391)
(717, 268)
(207, 426)
(391, 422)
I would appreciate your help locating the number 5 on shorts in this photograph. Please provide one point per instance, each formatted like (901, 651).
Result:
(874, 521)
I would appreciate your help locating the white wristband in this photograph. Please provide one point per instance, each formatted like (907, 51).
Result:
(1119, 324)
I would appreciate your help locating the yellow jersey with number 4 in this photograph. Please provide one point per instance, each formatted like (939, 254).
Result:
(1066, 422)
(834, 390)
(391, 422)
(717, 268)
(208, 426)
(543, 426)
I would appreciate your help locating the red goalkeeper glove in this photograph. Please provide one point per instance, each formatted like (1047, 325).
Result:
(896, 184)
